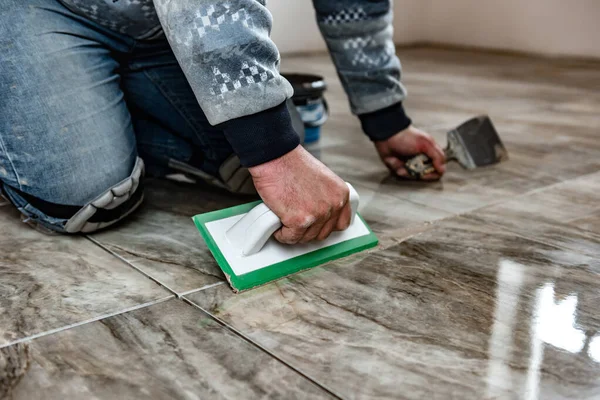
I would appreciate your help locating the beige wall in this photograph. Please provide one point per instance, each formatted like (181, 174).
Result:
(555, 27)
(295, 28)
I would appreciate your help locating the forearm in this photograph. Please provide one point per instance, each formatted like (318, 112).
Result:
(359, 38)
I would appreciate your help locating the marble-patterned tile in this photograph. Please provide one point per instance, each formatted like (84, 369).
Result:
(52, 282)
(589, 222)
(161, 239)
(561, 73)
(170, 350)
(386, 213)
(566, 214)
(465, 310)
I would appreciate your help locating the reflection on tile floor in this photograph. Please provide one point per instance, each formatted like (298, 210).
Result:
(485, 284)
(463, 308)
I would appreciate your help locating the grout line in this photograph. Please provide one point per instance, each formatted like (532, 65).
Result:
(130, 263)
(264, 349)
(101, 317)
(212, 285)
(593, 213)
(156, 280)
(403, 199)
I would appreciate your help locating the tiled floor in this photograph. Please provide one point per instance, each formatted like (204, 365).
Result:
(486, 285)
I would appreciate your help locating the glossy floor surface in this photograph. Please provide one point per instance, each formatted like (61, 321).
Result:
(486, 285)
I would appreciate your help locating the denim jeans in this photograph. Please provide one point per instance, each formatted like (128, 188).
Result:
(79, 103)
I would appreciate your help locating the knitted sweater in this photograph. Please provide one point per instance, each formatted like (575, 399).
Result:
(232, 65)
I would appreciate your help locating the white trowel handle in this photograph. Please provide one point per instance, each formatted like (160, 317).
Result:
(251, 232)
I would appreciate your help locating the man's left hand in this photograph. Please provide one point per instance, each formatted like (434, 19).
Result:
(407, 144)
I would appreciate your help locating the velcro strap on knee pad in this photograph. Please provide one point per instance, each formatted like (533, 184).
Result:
(114, 204)
(232, 176)
(236, 177)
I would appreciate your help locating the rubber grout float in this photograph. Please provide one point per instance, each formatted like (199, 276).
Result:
(241, 241)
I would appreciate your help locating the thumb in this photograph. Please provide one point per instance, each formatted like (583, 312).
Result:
(396, 166)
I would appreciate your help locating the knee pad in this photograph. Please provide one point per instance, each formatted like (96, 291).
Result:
(108, 208)
(111, 206)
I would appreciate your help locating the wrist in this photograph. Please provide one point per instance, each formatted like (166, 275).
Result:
(383, 141)
(382, 124)
(261, 137)
(275, 166)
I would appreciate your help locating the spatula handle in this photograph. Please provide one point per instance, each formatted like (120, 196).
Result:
(419, 166)
(252, 231)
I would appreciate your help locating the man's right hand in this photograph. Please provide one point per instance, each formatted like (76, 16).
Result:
(309, 199)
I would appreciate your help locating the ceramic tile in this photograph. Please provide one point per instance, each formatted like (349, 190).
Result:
(500, 303)
(465, 310)
(161, 238)
(566, 214)
(51, 282)
(589, 222)
(170, 350)
(560, 73)
(393, 219)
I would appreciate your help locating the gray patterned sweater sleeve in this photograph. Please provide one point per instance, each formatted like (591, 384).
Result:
(232, 65)
(226, 54)
(359, 34)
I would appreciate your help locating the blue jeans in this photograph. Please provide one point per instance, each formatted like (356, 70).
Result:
(80, 104)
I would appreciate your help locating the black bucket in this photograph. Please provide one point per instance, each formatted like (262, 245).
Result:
(310, 103)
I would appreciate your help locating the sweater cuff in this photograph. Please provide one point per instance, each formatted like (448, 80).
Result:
(261, 137)
(385, 123)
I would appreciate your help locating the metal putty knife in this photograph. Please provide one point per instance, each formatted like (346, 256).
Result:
(473, 144)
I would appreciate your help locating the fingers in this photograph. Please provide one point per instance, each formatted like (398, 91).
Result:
(340, 223)
(435, 152)
(396, 166)
(320, 230)
(343, 221)
(289, 235)
(334, 219)
(327, 229)
(315, 229)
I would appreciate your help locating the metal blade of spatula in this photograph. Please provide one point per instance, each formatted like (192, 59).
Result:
(473, 144)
